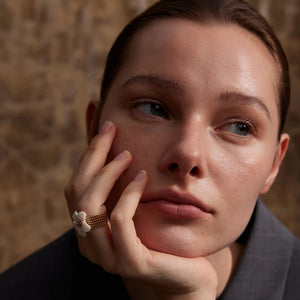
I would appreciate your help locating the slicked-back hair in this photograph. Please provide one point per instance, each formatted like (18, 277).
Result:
(204, 12)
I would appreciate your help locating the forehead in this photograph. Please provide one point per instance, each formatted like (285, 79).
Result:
(225, 42)
(205, 56)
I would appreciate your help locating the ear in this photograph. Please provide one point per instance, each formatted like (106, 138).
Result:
(92, 119)
(279, 156)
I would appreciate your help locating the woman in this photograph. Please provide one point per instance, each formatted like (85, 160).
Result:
(187, 135)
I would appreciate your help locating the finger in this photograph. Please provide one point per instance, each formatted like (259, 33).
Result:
(99, 243)
(94, 158)
(99, 248)
(121, 219)
(97, 193)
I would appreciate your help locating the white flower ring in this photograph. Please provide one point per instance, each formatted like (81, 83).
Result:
(80, 224)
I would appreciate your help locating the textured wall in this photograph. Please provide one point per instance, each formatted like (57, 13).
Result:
(51, 57)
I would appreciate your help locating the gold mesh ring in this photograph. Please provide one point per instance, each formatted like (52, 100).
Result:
(97, 221)
(84, 224)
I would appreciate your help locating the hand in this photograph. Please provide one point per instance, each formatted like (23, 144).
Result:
(116, 247)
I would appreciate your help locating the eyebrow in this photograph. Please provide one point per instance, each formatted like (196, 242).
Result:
(169, 84)
(155, 80)
(245, 100)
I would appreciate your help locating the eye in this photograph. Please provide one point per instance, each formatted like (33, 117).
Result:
(153, 108)
(239, 128)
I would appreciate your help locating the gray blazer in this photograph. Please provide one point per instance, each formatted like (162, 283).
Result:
(270, 266)
(268, 270)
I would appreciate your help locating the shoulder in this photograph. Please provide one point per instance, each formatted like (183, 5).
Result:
(49, 266)
(279, 253)
(57, 271)
(292, 289)
(268, 268)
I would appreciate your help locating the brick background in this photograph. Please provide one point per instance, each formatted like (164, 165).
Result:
(51, 58)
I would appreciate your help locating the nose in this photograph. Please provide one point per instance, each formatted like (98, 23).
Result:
(184, 154)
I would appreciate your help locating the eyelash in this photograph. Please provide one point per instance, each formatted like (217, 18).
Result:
(248, 123)
(251, 127)
(153, 102)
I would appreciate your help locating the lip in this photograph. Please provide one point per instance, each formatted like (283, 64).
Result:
(176, 203)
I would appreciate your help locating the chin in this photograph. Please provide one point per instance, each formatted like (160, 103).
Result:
(172, 239)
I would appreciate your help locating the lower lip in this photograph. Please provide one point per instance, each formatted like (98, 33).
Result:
(177, 210)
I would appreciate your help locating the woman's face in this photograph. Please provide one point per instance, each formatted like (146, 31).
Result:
(196, 106)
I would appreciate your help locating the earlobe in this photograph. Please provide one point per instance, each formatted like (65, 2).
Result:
(92, 119)
(279, 156)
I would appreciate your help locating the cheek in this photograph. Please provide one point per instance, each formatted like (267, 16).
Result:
(241, 173)
(238, 187)
(138, 145)
(246, 171)
(242, 179)
(143, 159)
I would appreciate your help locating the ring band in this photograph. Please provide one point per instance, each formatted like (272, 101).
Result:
(84, 224)
(97, 221)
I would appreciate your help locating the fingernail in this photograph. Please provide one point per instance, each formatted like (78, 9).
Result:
(123, 155)
(106, 127)
(141, 175)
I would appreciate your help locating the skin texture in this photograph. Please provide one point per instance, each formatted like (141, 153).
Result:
(231, 170)
(200, 116)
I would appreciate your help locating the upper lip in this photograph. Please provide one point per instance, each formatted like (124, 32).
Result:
(177, 197)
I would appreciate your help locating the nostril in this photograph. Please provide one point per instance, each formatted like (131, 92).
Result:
(195, 171)
(174, 167)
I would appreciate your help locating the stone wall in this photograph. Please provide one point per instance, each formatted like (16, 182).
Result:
(51, 58)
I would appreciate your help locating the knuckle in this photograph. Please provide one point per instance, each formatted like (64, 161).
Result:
(74, 200)
(82, 206)
(117, 219)
(70, 190)
(74, 189)
(104, 171)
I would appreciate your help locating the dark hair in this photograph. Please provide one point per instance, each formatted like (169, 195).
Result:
(204, 11)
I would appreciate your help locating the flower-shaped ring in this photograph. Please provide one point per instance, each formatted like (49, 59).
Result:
(84, 224)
